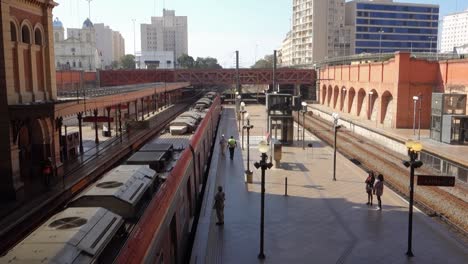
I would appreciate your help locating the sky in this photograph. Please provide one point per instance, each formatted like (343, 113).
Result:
(216, 28)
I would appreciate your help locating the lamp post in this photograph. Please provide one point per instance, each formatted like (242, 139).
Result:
(298, 112)
(336, 117)
(371, 94)
(263, 165)
(415, 100)
(238, 98)
(242, 111)
(419, 116)
(304, 111)
(413, 152)
(248, 127)
(380, 43)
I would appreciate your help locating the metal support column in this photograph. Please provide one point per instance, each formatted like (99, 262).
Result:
(80, 130)
(96, 127)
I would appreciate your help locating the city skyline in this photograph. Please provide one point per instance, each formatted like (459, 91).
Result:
(261, 25)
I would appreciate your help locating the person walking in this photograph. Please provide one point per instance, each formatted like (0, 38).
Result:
(369, 187)
(222, 144)
(232, 144)
(378, 190)
(219, 205)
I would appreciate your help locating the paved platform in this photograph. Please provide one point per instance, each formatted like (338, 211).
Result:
(456, 153)
(320, 221)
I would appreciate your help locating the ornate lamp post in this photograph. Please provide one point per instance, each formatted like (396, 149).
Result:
(242, 112)
(336, 118)
(413, 152)
(248, 173)
(303, 111)
(264, 165)
(415, 101)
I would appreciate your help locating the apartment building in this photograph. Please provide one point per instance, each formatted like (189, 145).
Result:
(454, 32)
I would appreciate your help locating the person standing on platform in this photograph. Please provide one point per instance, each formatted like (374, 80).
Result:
(378, 190)
(232, 144)
(369, 187)
(219, 205)
(222, 144)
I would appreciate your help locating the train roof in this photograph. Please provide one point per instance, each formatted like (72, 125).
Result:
(119, 190)
(75, 235)
(155, 147)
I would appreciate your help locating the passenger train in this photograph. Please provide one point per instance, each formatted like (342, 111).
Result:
(142, 211)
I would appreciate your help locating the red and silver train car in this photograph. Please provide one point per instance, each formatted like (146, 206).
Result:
(139, 212)
(162, 234)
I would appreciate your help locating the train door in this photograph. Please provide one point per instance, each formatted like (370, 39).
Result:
(201, 180)
(174, 240)
(189, 195)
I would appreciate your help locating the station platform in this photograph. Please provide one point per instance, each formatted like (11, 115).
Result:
(454, 153)
(319, 221)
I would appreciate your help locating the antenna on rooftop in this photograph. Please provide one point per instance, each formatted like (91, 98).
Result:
(89, 8)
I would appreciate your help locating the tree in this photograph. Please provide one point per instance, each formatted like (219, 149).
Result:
(115, 64)
(128, 61)
(186, 61)
(266, 62)
(207, 63)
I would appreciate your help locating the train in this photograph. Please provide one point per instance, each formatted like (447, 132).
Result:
(142, 211)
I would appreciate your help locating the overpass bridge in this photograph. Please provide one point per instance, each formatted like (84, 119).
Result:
(283, 76)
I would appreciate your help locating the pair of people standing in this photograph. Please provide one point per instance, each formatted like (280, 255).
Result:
(373, 187)
(230, 143)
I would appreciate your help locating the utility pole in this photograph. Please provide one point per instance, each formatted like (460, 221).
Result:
(237, 73)
(274, 71)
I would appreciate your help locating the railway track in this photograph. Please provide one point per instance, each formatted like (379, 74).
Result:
(434, 201)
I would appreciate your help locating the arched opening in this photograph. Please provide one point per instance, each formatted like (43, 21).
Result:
(361, 97)
(342, 97)
(37, 37)
(329, 95)
(324, 94)
(351, 95)
(386, 109)
(373, 105)
(336, 93)
(13, 32)
(25, 34)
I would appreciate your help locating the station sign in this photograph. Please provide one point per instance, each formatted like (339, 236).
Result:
(433, 180)
(98, 119)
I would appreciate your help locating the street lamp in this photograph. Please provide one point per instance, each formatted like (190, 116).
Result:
(413, 151)
(415, 100)
(248, 127)
(380, 43)
(419, 116)
(304, 111)
(371, 93)
(336, 117)
(264, 165)
(242, 111)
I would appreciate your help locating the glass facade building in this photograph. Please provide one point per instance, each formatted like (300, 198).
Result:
(385, 26)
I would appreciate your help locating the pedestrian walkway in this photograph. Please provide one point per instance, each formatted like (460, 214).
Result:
(320, 221)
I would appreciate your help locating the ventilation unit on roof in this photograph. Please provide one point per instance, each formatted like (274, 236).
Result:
(68, 223)
(109, 184)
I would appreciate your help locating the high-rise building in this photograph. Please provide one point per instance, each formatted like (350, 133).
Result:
(387, 26)
(454, 32)
(166, 33)
(319, 30)
(110, 44)
(332, 28)
(284, 56)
